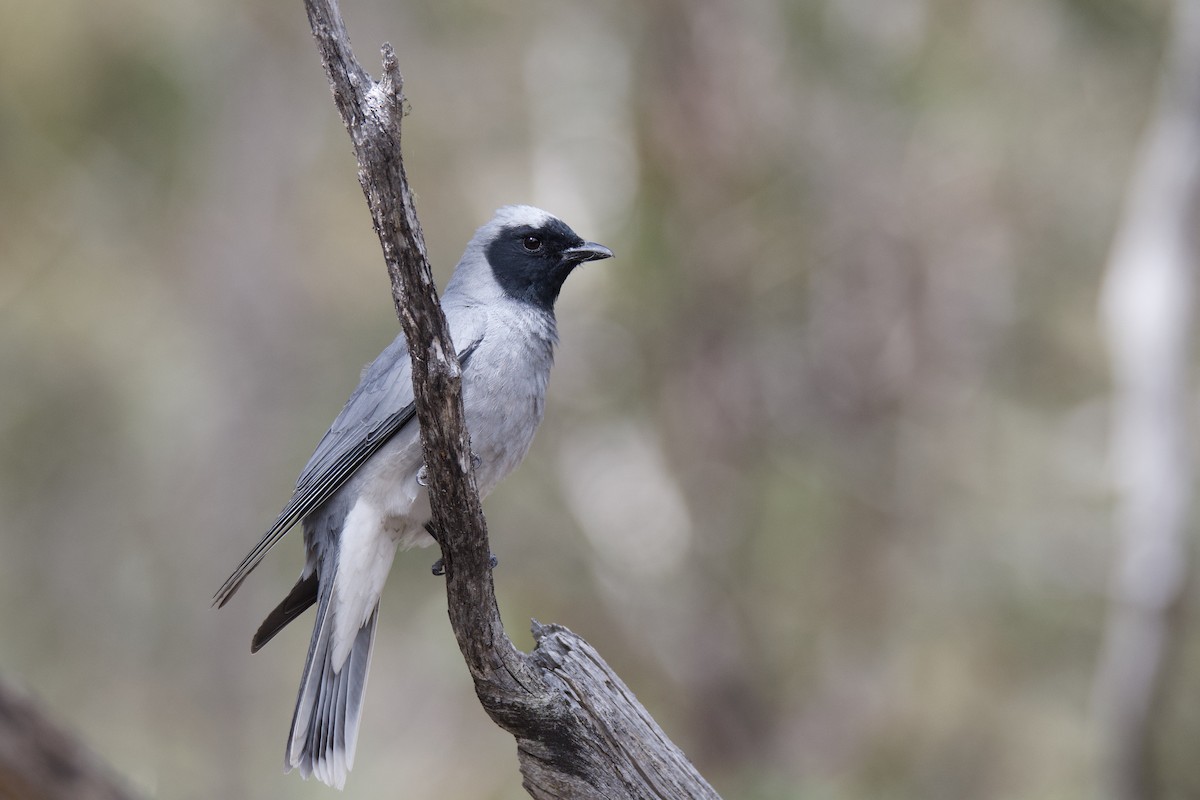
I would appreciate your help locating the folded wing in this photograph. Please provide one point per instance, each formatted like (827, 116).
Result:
(381, 406)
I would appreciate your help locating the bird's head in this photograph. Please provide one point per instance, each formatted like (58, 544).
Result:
(527, 253)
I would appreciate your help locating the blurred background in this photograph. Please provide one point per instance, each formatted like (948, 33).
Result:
(825, 470)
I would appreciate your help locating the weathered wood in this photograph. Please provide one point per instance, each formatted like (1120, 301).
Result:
(618, 749)
(41, 761)
(580, 732)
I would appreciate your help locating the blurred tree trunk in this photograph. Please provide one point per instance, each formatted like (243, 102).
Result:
(1148, 308)
(40, 761)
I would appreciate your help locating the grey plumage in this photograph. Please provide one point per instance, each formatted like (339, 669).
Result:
(359, 498)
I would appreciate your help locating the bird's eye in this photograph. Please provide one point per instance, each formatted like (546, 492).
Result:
(532, 243)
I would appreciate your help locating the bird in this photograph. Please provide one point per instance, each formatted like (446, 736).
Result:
(362, 497)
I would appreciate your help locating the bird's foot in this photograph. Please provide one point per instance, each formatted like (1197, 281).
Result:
(423, 472)
(439, 566)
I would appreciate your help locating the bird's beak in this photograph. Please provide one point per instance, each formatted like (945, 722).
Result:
(588, 251)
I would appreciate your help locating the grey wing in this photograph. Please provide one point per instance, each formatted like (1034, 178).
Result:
(380, 407)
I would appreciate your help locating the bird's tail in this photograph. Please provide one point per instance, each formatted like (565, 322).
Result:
(325, 726)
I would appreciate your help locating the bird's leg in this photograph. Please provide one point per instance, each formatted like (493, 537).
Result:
(439, 566)
(423, 472)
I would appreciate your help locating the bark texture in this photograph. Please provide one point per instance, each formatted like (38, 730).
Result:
(580, 732)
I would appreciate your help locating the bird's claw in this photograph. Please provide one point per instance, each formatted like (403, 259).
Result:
(439, 566)
(423, 472)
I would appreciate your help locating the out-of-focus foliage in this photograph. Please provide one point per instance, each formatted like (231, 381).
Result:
(823, 471)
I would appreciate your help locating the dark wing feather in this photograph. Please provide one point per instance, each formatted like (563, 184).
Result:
(302, 595)
(380, 407)
(312, 493)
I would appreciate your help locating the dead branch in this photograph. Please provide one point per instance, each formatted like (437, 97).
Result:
(580, 732)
